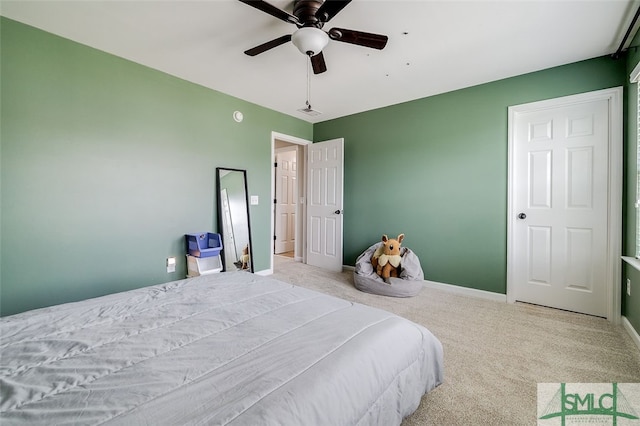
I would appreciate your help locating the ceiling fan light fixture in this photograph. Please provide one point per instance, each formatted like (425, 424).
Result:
(310, 40)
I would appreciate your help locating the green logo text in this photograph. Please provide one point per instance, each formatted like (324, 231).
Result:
(613, 404)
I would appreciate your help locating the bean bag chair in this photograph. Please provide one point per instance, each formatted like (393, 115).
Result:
(408, 284)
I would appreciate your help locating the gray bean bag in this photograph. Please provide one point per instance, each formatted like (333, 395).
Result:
(408, 284)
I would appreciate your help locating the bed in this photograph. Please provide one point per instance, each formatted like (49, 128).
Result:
(231, 348)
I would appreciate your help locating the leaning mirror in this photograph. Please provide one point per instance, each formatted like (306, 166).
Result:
(233, 219)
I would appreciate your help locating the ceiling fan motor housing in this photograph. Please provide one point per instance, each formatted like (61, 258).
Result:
(305, 11)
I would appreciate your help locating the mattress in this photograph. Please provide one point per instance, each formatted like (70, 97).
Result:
(228, 349)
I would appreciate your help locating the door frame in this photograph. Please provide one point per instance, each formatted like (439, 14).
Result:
(614, 209)
(301, 207)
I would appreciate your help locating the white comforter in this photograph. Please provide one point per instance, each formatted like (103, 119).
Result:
(231, 348)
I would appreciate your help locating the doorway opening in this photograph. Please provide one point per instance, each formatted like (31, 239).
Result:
(288, 183)
(286, 199)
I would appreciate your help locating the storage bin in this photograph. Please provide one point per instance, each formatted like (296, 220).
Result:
(204, 244)
(197, 266)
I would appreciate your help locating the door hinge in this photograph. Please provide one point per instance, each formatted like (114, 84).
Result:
(275, 164)
(274, 238)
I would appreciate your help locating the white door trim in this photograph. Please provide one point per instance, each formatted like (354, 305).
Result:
(302, 181)
(614, 211)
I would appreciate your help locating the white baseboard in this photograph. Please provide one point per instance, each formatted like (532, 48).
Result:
(348, 268)
(264, 272)
(632, 331)
(466, 291)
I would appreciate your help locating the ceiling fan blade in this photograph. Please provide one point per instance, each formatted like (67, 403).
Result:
(375, 41)
(268, 45)
(272, 10)
(330, 8)
(318, 64)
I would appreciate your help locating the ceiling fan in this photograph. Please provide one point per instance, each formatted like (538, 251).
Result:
(310, 16)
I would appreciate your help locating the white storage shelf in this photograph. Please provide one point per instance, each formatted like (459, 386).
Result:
(197, 266)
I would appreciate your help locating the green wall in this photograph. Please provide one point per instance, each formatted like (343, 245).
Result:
(106, 164)
(631, 304)
(436, 170)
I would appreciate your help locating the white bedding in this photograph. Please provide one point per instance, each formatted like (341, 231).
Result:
(230, 348)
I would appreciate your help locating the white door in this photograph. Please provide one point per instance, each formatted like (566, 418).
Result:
(560, 198)
(325, 164)
(286, 199)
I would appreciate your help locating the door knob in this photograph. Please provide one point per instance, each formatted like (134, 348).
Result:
(338, 211)
(522, 216)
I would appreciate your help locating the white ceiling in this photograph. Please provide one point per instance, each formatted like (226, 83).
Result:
(448, 45)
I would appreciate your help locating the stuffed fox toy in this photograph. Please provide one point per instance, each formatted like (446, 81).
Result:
(386, 259)
(245, 257)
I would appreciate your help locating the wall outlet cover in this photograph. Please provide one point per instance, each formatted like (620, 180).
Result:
(171, 264)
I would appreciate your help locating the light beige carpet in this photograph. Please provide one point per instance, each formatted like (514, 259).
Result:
(495, 353)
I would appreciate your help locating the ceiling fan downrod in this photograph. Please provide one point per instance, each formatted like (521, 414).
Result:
(309, 82)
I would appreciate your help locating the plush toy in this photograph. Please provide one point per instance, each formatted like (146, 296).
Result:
(245, 257)
(386, 259)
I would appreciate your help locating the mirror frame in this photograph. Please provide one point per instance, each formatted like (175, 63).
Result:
(220, 170)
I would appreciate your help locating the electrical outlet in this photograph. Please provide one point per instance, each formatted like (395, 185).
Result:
(171, 264)
(628, 287)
